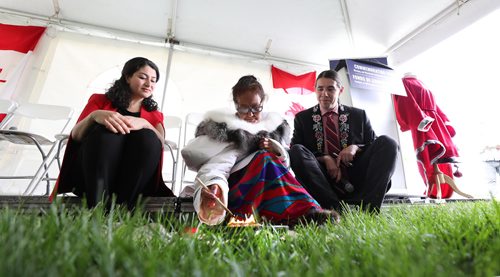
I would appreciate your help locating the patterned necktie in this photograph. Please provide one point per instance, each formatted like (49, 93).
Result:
(332, 138)
(333, 146)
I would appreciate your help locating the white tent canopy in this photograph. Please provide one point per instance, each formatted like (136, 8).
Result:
(300, 31)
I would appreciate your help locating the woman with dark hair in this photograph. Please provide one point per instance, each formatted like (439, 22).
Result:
(116, 145)
(241, 160)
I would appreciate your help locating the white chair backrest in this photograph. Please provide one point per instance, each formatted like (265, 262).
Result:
(190, 124)
(192, 121)
(44, 111)
(171, 121)
(173, 126)
(7, 106)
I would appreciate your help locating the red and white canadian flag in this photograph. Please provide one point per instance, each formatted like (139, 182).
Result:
(16, 46)
(293, 84)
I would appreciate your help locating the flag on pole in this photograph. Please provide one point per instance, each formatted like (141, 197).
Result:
(16, 46)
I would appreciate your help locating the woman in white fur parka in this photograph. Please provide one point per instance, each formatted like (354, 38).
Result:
(240, 157)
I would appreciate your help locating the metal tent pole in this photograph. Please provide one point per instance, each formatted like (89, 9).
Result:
(167, 74)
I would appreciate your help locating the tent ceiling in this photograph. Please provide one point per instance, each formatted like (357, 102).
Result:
(295, 30)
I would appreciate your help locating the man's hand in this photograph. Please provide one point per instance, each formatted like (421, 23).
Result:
(332, 168)
(209, 208)
(346, 156)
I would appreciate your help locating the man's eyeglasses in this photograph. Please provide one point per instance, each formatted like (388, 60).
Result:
(245, 110)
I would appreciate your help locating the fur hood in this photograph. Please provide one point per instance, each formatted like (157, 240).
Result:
(223, 126)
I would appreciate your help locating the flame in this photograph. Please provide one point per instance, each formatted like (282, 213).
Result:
(248, 221)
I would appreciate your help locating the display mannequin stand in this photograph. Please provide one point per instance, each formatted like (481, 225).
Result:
(441, 178)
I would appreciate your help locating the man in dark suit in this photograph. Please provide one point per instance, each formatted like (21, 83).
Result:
(358, 171)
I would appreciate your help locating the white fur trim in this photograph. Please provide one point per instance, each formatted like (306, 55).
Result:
(425, 124)
(269, 121)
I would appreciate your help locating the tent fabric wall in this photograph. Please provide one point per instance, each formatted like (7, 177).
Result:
(70, 67)
(197, 82)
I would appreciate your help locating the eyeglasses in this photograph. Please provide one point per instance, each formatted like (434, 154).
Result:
(245, 110)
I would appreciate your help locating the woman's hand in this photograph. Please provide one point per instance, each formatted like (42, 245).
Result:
(137, 123)
(113, 121)
(124, 124)
(266, 144)
(209, 208)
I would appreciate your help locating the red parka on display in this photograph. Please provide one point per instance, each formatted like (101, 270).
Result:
(431, 132)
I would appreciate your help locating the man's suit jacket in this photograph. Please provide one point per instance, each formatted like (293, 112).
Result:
(354, 128)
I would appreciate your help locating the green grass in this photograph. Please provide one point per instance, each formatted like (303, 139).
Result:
(454, 239)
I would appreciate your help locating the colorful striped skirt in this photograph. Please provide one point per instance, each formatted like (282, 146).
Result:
(267, 188)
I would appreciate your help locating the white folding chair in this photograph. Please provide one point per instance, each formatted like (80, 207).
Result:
(7, 108)
(191, 122)
(173, 130)
(38, 114)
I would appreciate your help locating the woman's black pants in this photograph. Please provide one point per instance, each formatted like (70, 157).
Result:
(116, 164)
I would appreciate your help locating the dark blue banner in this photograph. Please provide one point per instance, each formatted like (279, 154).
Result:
(367, 76)
(370, 74)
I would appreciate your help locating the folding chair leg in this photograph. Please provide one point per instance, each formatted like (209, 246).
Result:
(42, 171)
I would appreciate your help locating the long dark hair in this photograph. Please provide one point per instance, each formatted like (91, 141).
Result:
(120, 94)
(330, 74)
